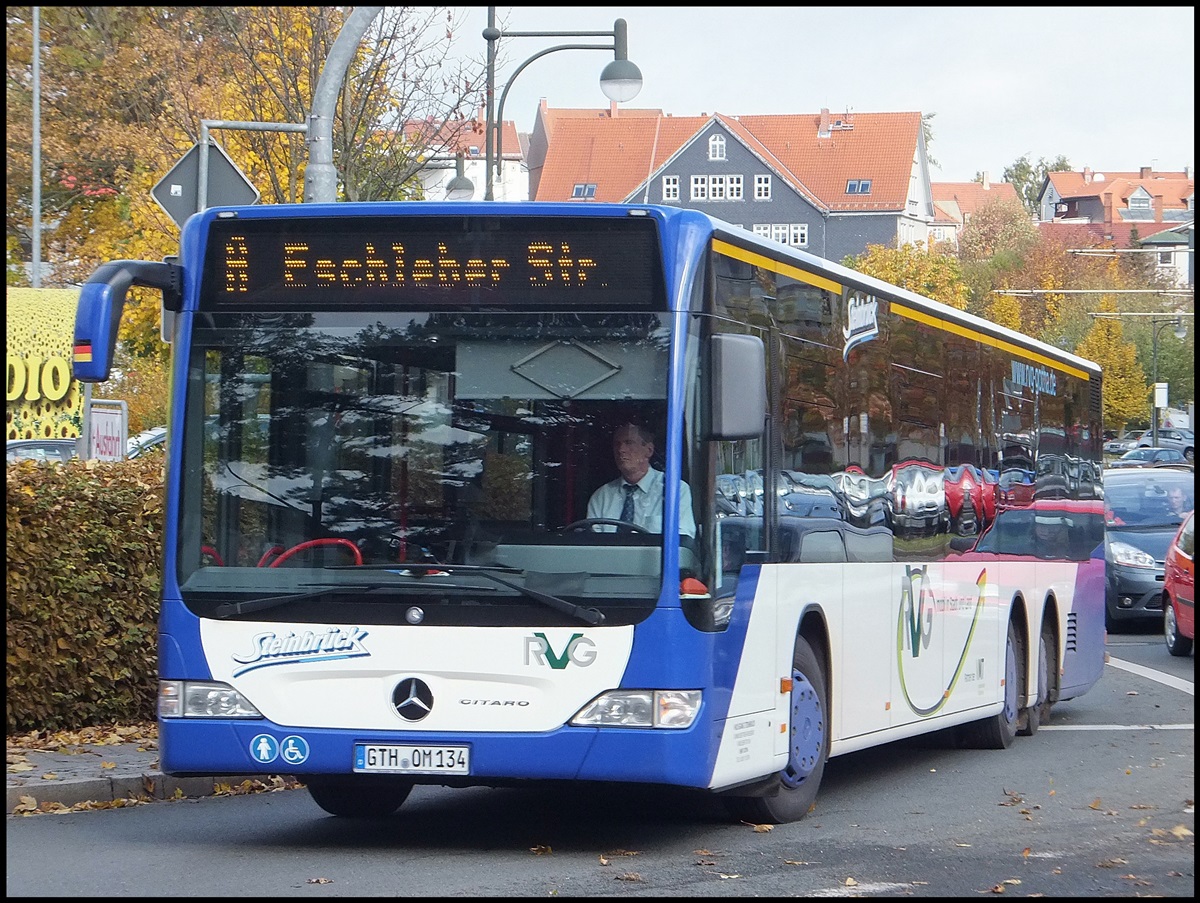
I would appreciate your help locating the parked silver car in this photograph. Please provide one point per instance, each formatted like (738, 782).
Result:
(1171, 437)
(1118, 446)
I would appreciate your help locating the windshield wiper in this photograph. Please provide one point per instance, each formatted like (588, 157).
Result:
(592, 616)
(425, 569)
(229, 609)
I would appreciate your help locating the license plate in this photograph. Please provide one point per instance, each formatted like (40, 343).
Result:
(393, 759)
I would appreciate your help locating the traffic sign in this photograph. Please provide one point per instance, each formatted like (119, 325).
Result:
(178, 191)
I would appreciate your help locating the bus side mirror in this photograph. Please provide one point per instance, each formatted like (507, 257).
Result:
(101, 303)
(737, 387)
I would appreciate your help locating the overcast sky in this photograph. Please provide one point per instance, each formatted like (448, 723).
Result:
(1109, 88)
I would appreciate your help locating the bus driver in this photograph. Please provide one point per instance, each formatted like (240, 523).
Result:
(636, 496)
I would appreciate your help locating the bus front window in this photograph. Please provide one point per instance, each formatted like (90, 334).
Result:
(317, 442)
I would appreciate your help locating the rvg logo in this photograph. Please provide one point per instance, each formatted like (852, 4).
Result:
(579, 651)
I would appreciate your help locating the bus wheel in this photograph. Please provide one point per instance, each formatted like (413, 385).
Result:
(1039, 713)
(999, 731)
(357, 796)
(792, 792)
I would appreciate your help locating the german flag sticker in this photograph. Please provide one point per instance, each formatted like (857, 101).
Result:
(83, 352)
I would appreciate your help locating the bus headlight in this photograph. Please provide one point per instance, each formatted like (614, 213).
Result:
(202, 699)
(671, 709)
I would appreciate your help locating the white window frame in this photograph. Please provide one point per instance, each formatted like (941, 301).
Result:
(699, 188)
(1139, 202)
(670, 188)
(762, 187)
(798, 235)
(716, 147)
(581, 191)
(735, 188)
(716, 188)
(762, 229)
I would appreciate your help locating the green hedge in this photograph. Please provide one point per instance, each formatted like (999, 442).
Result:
(84, 578)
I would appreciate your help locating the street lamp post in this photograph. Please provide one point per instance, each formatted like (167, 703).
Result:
(1180, 332)
(620, 80)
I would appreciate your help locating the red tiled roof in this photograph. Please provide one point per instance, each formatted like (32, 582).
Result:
(1088, 184)
(1175, 192)
(967, 197)
(465, 135)
(1119, 234)
(618, 154)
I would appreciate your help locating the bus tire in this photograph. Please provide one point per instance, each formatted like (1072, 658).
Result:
(358, 796)
(791, 794)
(1047, 668)
(998, 731)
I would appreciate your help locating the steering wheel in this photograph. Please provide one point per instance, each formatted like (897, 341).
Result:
(594, 521)
(314, 543)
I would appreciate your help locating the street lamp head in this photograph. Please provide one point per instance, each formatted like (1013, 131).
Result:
(460, 188)
(1180, 330)
(621, 81)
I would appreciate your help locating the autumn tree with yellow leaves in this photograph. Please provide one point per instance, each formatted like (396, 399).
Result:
(933, 274)
(1125, 398)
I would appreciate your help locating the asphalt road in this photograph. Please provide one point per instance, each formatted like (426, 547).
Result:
(1099, 803)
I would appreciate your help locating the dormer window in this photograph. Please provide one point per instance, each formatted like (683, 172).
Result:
(1139, 202)
(716, 147)
(858, 186)
(583, 191)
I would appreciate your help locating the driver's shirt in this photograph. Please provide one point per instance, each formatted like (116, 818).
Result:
(607, 501)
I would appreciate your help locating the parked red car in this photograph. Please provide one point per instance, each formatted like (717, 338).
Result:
(1179, 590)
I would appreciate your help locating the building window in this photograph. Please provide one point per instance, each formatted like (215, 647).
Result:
(793, 234)
(699, 188)
(1166, 258)
(1137, 202)
(583, 191)
(670, 188)
(716, 147)
(716, 188)
(735, 188)
(762, 188)
(858, 186)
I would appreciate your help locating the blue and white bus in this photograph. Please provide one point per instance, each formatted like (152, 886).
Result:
(387, 420)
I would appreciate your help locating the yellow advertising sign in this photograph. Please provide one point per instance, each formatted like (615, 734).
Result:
(43, 401)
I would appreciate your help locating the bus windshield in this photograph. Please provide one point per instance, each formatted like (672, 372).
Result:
(344, 449)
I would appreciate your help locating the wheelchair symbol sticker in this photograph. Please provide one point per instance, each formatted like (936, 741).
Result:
(264, 748)
(294, 750)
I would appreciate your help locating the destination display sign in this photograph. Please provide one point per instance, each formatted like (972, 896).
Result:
(384, 262)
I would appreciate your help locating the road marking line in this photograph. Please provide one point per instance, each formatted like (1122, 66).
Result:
(1117, 727)
(857, 890)
(1177, 683)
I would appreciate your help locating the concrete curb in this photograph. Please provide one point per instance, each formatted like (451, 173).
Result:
(102, 773)
(152, 785)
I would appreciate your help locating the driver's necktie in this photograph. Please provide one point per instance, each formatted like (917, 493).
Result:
(627, 508)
